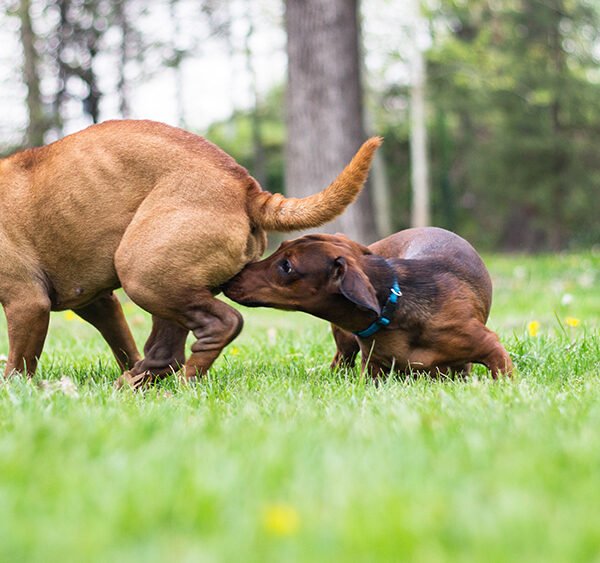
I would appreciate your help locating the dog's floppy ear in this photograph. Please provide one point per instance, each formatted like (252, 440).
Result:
(354, 285)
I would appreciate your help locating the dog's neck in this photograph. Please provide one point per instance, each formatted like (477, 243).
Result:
(416, 281)
(417, 284)
(382, 275)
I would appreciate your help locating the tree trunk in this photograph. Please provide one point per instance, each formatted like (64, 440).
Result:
(177, 69)
(36, 128)
(324, 104)
(379, 185)
(258, 150)
(421, 214)
(63, 31)
(91, 103)
(560, 190)
(122, 21)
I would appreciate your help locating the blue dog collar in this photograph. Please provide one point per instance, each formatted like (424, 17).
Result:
(388, 309)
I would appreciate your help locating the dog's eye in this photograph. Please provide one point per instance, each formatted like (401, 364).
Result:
(285, 266)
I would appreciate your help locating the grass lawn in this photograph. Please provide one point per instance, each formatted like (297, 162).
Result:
(271, 458)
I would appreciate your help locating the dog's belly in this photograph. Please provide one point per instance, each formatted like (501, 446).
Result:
(390, 348)
(76, 247)
(79, 274)
(417, 359)
(441, 343)
(81, 291)
(395, 349)
(65, 301)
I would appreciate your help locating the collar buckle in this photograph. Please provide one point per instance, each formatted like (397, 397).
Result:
(387, 311)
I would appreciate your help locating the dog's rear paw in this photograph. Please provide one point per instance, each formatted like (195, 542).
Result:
(133, 380)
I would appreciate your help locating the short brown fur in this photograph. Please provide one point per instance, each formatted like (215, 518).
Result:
(438, 324)
(161, 212)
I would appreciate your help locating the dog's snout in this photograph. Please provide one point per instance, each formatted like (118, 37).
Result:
(231, 288)
(226, 287)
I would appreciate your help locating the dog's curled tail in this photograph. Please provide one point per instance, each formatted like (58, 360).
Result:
(275, 212)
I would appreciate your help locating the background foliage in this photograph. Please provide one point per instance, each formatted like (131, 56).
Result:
(514, 125)
(513, 92)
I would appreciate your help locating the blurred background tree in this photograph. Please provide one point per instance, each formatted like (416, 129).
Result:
(515, 89)
(325, 118)
(512, 98)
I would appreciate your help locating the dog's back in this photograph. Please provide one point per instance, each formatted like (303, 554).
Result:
(453, 252)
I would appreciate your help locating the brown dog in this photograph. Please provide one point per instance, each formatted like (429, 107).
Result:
(157, 210)
(417, 299)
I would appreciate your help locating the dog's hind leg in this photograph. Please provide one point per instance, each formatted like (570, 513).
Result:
(491, 353)
(214, 324)
(27, 318)
(498, 361)
(107, 316)
(178, 247)
(185, 306)
(164, 353)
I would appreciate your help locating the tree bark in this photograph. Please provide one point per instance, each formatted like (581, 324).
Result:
(420, 214)
(558, 231)
(258, 150)
(177, 62)
(123, 87)
(324, 105)
(37, 125)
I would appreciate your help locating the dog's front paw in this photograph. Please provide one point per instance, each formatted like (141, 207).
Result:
(341, 361)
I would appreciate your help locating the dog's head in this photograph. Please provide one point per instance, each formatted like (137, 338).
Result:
(319, 274)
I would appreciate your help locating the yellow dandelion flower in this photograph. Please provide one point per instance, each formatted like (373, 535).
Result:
(572, 322)
(533, 328)
(281, 520)
(70, 316)
(234, 351)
